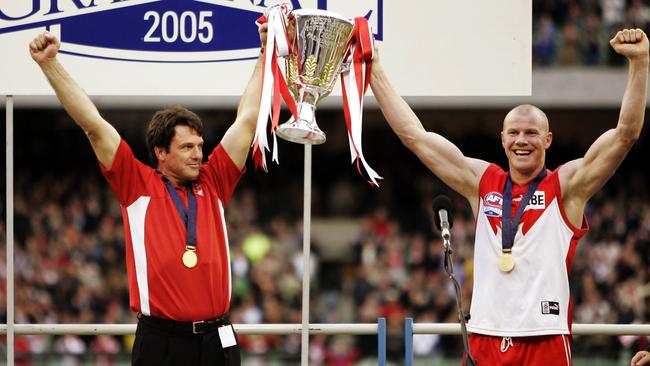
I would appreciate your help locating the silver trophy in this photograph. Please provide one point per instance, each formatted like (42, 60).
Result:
(320, 43)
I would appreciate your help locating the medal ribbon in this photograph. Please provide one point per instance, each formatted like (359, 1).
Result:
(187, 216)
(360, 55)
(509, 224)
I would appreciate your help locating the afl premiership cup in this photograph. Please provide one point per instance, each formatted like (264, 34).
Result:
(315, 61)
(317, 46)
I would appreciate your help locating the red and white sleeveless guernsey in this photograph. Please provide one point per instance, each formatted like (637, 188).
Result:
(160, 285)
(533, 299)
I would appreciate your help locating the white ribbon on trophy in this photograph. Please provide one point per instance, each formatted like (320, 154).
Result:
(277, 45)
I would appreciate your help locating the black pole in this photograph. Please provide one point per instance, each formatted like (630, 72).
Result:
(449, 268)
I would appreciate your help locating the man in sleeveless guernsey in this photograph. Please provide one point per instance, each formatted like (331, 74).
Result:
(520, 311)
(177, 252)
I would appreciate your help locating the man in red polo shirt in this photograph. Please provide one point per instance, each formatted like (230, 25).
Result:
(177, 251)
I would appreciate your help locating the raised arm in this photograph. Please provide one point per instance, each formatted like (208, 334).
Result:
(441, 156)
(237, 140)
(103, 137)
(580, 179)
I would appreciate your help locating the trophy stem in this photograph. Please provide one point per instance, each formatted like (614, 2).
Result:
(305, 130)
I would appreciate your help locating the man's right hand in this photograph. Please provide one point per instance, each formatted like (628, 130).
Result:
(44, 47)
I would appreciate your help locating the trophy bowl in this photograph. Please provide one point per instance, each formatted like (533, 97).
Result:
(318, 47)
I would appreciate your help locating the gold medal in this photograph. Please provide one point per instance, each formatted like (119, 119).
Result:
(189, 257)
(506, 263)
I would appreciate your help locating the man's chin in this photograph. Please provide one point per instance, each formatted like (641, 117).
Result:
(192, 176)
(523, 166)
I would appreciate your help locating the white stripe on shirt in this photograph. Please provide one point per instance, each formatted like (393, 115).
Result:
(137, 211)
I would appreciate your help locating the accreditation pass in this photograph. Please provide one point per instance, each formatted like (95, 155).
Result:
(227, 336)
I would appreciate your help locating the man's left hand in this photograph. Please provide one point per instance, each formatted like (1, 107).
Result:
(631, 43)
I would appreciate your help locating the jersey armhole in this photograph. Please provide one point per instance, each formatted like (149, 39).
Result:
(577, 232)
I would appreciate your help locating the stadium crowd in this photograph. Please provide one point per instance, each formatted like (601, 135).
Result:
(576, 32)
(70, 266)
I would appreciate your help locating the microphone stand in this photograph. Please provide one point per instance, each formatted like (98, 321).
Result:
(449, 268)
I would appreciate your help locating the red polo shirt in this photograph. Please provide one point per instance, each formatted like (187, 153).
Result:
(160, 285)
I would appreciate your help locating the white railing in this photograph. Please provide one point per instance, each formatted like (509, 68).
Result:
(578, 329)
(243, 329)
(284, 329)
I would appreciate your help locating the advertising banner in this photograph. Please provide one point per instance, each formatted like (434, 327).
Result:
(209, 47)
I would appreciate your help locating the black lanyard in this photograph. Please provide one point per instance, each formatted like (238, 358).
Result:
(187, 216)
(508, 224)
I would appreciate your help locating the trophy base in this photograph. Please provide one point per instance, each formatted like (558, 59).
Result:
(301, 132)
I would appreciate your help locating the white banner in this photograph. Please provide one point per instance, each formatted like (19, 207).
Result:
(208, 47)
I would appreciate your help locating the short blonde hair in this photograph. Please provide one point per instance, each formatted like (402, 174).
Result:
(528, 110)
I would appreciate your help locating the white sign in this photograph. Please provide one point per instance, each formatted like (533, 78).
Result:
(208, 47)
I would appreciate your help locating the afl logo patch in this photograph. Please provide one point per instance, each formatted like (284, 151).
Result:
(493, 204)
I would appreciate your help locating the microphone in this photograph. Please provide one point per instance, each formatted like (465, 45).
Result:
(442, 208)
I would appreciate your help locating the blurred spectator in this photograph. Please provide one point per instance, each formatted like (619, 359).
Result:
(570, 52)
(592, 41)
(545, 41)
(613, 14)
(638, 14)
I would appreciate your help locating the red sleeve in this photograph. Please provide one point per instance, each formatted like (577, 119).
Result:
(223, 173)
(127, 176)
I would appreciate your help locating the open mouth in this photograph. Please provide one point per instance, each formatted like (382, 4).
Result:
(522, 152)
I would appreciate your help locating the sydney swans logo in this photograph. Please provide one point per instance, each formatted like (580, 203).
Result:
(155, 30)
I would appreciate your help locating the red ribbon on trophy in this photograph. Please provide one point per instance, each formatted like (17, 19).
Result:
(274, 85)
(357, 77)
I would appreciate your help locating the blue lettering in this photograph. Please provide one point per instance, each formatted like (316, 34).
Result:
(54, 6)
(36, 6)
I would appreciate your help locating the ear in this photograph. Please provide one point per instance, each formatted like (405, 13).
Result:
(161, 153)
(549, 140)
(503, 143)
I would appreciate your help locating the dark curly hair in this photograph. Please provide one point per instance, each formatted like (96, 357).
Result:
(160, 131)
